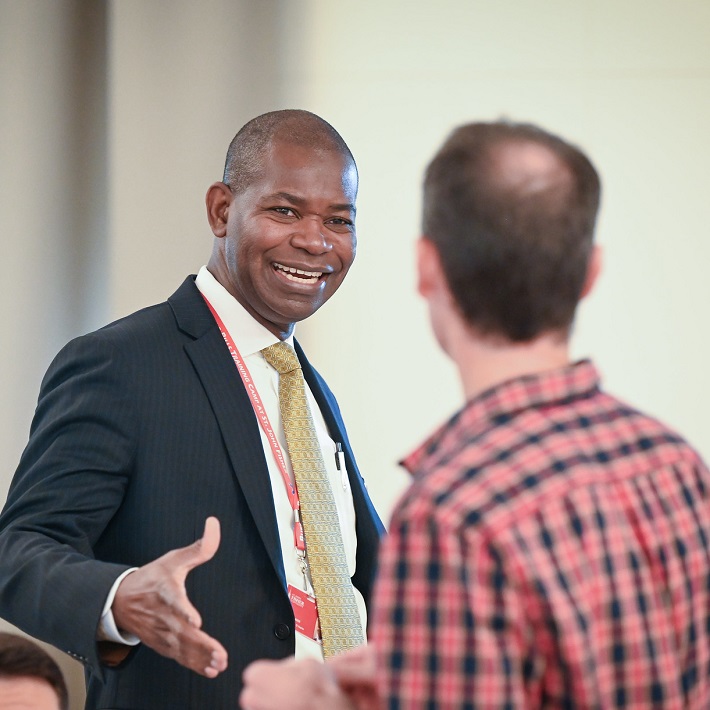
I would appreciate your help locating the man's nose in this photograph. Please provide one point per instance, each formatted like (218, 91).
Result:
(312, 236)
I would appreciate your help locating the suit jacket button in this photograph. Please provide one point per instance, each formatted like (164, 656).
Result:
(282, 631)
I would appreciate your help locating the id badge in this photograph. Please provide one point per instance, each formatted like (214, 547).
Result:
(305, 613)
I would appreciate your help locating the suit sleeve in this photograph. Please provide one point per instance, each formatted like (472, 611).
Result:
(70, 481)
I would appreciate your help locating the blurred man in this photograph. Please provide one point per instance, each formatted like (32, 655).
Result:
(169, 422)
(552, 550)
(29, 678)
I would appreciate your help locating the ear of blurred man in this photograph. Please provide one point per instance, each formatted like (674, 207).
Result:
(594, 267)
(433, 287)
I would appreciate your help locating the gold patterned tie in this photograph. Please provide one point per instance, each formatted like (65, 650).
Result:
(337, 610)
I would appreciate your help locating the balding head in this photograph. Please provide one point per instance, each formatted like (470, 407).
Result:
(249, 147)
(527, 168)
(511, 209)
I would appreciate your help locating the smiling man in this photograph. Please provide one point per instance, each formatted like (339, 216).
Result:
(286, 240)
(167, 426)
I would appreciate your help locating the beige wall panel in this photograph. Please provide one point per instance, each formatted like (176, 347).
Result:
(184, 77)
(52, 210)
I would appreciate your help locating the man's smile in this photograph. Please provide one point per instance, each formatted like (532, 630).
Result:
(298, 275)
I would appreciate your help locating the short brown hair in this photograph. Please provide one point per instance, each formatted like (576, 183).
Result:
(514, 248)
(22, 658)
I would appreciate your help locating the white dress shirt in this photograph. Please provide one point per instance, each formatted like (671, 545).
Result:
(250, 337)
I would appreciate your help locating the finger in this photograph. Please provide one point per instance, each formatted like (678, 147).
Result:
(259, 669)
(252, 677)
(217, 661)
(354, 668)
(358, 657)
(198, 651)
(271, 685)
(184, 609)
(200, 551)
(209, 666)
(359, 654)
(210, 537)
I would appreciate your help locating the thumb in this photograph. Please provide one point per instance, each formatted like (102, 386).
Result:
(201, 550)
(210, 538)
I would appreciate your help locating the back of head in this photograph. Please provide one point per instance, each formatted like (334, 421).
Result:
(511, 210)
(22, 658)
(249, 147)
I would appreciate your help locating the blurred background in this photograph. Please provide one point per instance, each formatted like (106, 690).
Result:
(116, 116)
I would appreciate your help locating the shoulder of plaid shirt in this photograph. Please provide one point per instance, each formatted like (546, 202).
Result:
(552, 551)
(250, 338)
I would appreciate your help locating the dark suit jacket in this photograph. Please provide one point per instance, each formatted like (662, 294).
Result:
(142, 430)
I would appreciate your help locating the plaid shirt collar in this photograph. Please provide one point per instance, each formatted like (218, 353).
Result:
(497, 405)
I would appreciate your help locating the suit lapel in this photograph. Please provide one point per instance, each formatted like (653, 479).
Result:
(215, 369)
(223, 386)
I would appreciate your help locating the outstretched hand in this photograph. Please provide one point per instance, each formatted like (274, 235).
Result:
(152, 604)
(356, 674)
(343, 682)
(304, 684)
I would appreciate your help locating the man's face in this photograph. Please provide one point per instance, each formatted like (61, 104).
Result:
(290, 236)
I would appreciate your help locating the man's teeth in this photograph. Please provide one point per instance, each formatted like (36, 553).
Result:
(299, 274)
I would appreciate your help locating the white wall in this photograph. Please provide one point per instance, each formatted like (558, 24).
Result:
(628, 81)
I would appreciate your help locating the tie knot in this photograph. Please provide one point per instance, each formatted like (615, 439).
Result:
(282, 357)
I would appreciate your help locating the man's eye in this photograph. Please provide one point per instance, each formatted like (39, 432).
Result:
(287, 211)
(341, 221)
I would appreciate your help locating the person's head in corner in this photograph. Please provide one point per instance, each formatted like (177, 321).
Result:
(509, 215)
(29, 678)
(284, 217)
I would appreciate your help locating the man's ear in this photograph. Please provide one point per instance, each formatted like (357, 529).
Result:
(594, 266)
(430, 274)
(218, 199)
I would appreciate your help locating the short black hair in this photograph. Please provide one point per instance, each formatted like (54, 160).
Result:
(514, 240)
(22, 658)
(245, 155)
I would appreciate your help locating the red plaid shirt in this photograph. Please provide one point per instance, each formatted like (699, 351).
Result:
(552, 551)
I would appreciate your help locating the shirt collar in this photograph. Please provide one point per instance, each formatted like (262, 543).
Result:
(497, 405)
(248, 335)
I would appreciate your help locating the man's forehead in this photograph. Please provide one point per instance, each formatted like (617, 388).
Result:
(299, 157)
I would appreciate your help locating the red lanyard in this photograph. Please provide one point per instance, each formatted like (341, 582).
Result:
(263, 419)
